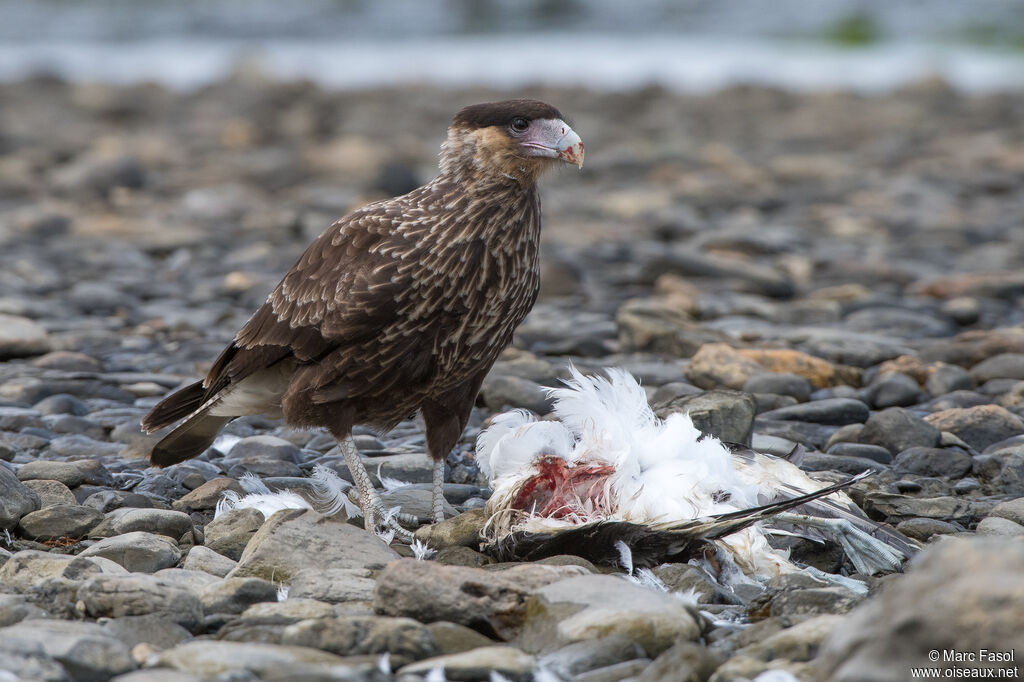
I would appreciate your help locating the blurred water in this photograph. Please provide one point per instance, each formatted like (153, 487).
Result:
(680, 44)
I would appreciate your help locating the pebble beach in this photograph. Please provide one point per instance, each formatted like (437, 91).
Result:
(834, 270)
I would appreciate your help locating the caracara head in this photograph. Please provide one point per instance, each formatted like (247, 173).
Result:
(517, 138)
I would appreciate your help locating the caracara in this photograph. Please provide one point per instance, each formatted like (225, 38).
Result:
(401, 306)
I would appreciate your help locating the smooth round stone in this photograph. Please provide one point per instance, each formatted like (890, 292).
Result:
(872, 452)
(944, 462)
(948, 378)
(65, 472)
(897, 429)
(831, 411)
(265, 447)
(893, 389)
(137, 551)
(59, 521)
(922, 529)
(51, 492)
(780, 383)
(1002, 366)
(993, 525)
(966, 485)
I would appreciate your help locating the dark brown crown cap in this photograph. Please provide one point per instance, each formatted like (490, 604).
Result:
(502, 113)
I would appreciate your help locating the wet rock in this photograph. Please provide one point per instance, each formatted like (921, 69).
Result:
(85, 650)
(478, 664)
(65, 472)
(896, 429)
(235, 595)
(229, 533)
(584, 607)
(727, 415)
(945, 462)
(59, 521)
(295, 540)
(16, 499)
(204, 559)
(137, 551)
(139, 594)
(490, 602)
(959, 594)
(978, 426)
(403, 638)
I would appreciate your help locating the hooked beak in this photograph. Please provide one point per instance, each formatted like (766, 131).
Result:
(554, 139)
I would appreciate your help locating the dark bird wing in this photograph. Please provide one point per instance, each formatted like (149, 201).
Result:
(342, 315)
(650, 544)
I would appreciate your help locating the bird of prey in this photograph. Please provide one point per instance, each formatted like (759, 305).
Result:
(605, 471)
(401, 306)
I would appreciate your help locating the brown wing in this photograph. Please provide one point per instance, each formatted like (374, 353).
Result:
(345, 306)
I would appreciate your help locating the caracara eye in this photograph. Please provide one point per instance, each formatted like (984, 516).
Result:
(520, 124)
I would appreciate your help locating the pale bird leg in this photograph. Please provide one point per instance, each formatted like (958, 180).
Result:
(868, 555)
(374, 514)
(437, 492)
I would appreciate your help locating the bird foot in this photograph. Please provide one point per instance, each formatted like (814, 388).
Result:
(384, 522)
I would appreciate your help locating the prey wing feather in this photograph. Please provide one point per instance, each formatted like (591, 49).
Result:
(650, 544)
(831, 507)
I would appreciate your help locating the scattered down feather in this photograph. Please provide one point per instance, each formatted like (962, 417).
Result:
(607, 467)
(329, 494)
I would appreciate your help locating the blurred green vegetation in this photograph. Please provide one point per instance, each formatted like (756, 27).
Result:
(855, 30)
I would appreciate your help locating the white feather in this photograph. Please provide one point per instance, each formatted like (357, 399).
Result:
(282, 592)
(267, 504)
(329, 491)
(251, 483)
(421, 550)
(389, 483)
(435, 675)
